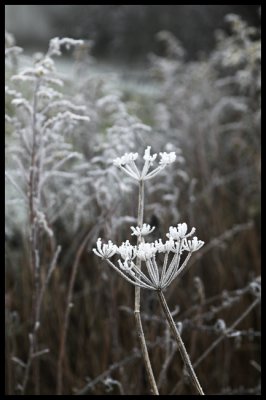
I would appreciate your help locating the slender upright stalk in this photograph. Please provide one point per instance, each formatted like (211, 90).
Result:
(139, 328)
(34, 245)
(63, 337)
(180, 343)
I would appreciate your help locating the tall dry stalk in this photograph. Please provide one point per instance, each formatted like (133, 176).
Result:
(180, 344)
(144, 350)
(39, 288)
(155, 278)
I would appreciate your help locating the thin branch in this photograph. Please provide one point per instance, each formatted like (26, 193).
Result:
(225, 333)
(180, 344)
(138, 322)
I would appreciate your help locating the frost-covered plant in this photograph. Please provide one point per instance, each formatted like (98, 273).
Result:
(41, 129)
(51, 165)
(220, 95)
(156, 278)
(212, 107)
(40, 155)
(131, 256)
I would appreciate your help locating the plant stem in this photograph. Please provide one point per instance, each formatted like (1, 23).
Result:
(34, 249)
(64, 331)
(139, 328)
(180, 343)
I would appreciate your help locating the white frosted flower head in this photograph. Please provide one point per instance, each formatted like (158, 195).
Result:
(147, 155)
(127, 164)
(126, 267)
(127, 251)
(167, 158)
(105, 250)
(145, 251)
(166, 247)
(192, 245)
(145, 230)
(152, 277)
(180, 232)
(125, 159)
(160, 247)
(169, 245)
(176, 247)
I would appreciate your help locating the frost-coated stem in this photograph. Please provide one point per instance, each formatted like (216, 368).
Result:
(34, 245)
(180, 344)
(139, 328)
(140, 223)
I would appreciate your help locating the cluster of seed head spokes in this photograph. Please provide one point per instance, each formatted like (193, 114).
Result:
(155, 277)
(128, 165)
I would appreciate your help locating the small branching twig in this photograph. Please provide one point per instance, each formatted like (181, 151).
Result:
(226, 333)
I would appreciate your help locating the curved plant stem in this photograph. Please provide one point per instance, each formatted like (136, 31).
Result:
(63, 337)
(180, 343)
(64, 332)
(139, 328)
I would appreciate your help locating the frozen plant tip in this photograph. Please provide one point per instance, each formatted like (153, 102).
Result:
(128, 165)
(145, 230)
(105, 250)
(180, 232)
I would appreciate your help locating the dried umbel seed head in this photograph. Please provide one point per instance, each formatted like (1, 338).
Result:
(127, 251)
(128, 165)
(105, 250)
(180, 231)
(143, 231)
(155, 277)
